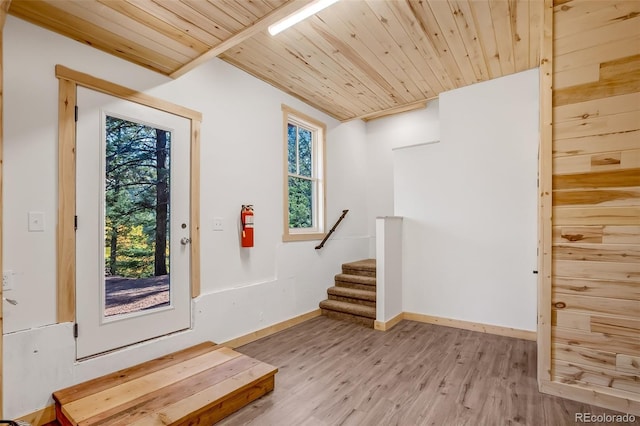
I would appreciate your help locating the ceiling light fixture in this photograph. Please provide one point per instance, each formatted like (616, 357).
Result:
(302, 14)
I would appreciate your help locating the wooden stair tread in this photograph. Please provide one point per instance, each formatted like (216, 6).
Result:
(353, 298)
(342, 316)
(366, 267)
(199, 385)
(349, 308)
(122, 376)
(353, 293)
(359, 279)
(366, 264)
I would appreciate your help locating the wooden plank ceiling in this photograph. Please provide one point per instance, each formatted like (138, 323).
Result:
(356, 59)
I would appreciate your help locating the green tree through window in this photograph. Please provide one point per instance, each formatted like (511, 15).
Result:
(136, 199)
(304, 144)
(300, 174)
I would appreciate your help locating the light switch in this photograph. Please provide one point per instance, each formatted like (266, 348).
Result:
(217, 224)
(36, 221)
(7, 280)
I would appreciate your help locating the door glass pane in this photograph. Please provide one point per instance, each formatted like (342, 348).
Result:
(300, 208)
(136, 254)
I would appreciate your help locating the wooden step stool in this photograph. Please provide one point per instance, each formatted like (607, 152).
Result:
(196, 386)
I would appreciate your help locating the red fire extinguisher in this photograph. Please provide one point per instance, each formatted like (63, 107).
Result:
(246, 219)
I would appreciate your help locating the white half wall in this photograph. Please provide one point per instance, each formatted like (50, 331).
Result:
(388, 267)
(243, 290)
(469, 205)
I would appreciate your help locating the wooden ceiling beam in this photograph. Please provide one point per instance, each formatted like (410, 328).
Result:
(412, 106)
(289, 8)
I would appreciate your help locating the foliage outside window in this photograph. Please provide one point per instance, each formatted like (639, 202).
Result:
(304, 177)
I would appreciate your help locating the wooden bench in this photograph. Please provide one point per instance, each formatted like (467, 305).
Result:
(199, 385)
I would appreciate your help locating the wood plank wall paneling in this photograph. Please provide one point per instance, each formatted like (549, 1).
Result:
(595, 298)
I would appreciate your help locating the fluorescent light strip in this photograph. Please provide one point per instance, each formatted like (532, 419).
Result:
(302, 14)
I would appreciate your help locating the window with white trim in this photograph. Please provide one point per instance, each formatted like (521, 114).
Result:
(304, 176)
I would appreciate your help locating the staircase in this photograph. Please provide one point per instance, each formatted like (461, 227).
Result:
(353, 298)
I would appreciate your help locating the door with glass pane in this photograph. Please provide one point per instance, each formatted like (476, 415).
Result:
(132, 237)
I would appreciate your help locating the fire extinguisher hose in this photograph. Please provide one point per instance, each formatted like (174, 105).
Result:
(242, 221)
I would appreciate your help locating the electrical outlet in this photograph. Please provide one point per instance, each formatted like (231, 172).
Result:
(36, 221)
(7, 280)
(217, 224)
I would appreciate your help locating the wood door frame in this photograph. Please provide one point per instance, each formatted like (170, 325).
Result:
(69, 80)
(4, 8)
(545, 162)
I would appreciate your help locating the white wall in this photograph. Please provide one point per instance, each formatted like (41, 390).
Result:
(383, 135)
(469, 207)
(242, 291)
(470, 226)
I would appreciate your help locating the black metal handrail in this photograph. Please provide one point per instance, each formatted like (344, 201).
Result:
(326, 237)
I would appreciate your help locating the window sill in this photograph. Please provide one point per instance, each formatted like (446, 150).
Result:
(315, 236)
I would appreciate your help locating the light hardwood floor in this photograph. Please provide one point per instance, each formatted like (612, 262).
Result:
(338, 373)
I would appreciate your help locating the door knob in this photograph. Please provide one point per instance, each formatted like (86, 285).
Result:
(184, 241)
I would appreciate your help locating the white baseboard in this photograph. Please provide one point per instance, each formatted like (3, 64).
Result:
(267, 331)
(473, 326)
(387, 325)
